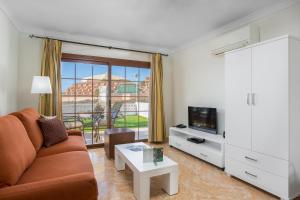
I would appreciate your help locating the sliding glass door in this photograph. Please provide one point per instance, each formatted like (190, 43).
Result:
(84, 98)
(130, 91)
(97, 96)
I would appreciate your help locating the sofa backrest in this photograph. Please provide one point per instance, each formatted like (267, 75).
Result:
(16, 150)
(29, 117)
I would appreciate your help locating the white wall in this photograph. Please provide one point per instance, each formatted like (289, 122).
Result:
(30, 56)
(199, 76)
(8, 65)
(103, 52)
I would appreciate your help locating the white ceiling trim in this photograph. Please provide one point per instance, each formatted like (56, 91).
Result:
(237, 24)
(10, 18)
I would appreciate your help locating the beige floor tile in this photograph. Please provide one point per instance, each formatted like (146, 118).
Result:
(198, 180)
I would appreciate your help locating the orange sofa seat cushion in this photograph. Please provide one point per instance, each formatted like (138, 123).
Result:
(73, 143)
(16, 150)
(81, 186)
(29, 117)
(58, 165)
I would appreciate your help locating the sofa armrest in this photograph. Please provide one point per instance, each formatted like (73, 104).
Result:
(73, 187)
(74, 132)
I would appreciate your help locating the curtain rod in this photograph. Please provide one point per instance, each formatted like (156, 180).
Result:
(96, 45)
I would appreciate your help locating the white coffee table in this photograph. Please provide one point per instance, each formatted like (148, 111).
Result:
(142, 172)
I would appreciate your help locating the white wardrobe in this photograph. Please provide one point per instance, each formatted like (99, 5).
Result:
(262, 116)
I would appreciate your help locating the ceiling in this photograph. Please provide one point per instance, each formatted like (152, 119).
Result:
(160, 23)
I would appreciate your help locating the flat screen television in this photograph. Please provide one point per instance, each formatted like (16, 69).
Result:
(203, 119)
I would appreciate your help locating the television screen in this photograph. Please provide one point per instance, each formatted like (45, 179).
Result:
(203, 119)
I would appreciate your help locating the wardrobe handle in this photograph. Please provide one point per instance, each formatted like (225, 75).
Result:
(248, 158)
(248, 99)
(255, 176)
(253, 98)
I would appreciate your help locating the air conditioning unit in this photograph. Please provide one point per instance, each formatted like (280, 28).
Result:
(235, 39)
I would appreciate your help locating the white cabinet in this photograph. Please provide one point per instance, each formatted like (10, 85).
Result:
(238, 98)
(270, 89)
(262, 115)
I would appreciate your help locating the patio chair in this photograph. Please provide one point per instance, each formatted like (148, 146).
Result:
(97, 117)
(95, 123)
(115, 112)
(74, 122)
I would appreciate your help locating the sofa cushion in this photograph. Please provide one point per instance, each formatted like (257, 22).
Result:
(74, 132)
(58, 165)
(53, 131)
(29, 117)
(73, 143)
(16, 150)
(81, 186)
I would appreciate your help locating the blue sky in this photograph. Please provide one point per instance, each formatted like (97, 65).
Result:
(84, 70)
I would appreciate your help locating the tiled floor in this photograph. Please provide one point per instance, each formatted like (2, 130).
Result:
(198, 180)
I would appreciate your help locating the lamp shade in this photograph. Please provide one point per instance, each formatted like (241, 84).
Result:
(41, 85)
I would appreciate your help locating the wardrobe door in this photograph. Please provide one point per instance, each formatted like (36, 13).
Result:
(237, 98)
(270, 99)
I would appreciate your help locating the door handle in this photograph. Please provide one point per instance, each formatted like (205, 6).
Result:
(248, 99)
(253, 99)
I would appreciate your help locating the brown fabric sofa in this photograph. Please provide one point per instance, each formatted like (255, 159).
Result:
(32, 172)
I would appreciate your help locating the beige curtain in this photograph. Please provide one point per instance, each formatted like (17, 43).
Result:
(50, 104)
(157, 132)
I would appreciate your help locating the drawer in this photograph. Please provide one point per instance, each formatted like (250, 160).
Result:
(177, 142)
(274, 184)
(213, 158)
(270, 164)
(198, 150)
(182, 144)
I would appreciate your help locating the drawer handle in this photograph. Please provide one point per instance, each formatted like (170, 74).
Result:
(202, 154)
(248, 158)
(248, 173)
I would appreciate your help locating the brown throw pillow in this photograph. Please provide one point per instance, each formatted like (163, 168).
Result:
(53, 131)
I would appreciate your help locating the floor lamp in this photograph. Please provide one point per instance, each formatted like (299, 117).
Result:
(41, 85)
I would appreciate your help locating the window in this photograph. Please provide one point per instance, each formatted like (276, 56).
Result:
(99, 93)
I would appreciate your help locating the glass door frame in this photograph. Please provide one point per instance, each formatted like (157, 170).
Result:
(67, 57)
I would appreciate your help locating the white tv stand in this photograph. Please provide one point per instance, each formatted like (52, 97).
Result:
(212, 150)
